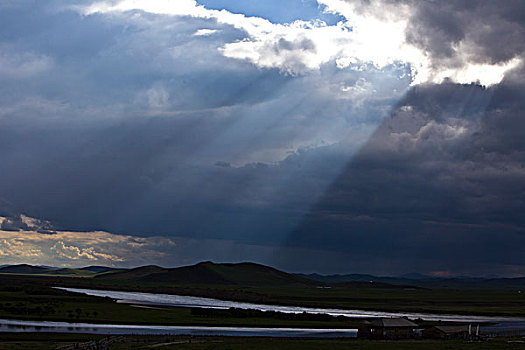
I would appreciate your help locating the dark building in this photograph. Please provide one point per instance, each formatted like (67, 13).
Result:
(388, 328)
(448, 332)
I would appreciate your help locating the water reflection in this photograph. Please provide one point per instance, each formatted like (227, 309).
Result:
(188, 301)
(109, 329)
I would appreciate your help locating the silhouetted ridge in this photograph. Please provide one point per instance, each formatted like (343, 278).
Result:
(24, 269)
(133, 274)
(211, 273)
(99, 269)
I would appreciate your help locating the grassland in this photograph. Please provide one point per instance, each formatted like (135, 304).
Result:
(10, 341)
(365, 296)
(49, 304)
(30, 297)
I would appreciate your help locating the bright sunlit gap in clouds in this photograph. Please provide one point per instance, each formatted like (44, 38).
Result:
(371, 39)
(376, 36)
(368, 131)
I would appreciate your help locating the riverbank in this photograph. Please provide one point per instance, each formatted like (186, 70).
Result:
(163, 300)
(27, 302)
(362, 296)
(110, 312)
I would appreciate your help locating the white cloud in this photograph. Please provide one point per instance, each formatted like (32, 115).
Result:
(381, 30)
(485, 74)
(15, 247)
(72, 252)
(167, 7)
(376, 36)
(205, 32)
(65, 248)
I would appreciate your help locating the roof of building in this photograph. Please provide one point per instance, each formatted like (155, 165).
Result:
(452, 329)
(392, 323)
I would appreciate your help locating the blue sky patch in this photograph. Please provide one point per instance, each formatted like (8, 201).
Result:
(272, 10)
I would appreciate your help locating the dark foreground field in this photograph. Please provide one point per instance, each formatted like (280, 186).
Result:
(29, 296)
(12, 341)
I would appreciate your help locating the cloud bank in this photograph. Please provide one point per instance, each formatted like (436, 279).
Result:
(378, 136)
(434, 41)
(28, 243)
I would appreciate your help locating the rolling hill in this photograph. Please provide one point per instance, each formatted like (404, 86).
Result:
(24, 269)
(423, 281)
(135, 274)
(210, 273)
(100, 269)
(252, 274)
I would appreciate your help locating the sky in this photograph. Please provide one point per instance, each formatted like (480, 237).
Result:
(330, 136)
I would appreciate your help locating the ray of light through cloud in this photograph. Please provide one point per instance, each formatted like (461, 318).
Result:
(293, 59)
(267, 130)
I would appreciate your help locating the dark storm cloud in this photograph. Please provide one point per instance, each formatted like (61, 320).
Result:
(491, 31)
(440, 185)
(452, 32)
(143, 182)
(122, 126)
(130, 123)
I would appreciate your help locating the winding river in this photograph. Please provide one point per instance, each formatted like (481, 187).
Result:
(152, 300)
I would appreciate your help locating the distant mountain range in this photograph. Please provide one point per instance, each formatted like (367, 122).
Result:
(204, 273)
(24, 269)
(251, 274)
(423, 281)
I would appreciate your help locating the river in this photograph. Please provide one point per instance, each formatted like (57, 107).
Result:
(151, 299)
(189, 301)
(22, 326)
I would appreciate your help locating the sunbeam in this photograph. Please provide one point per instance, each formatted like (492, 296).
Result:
(346, 129)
